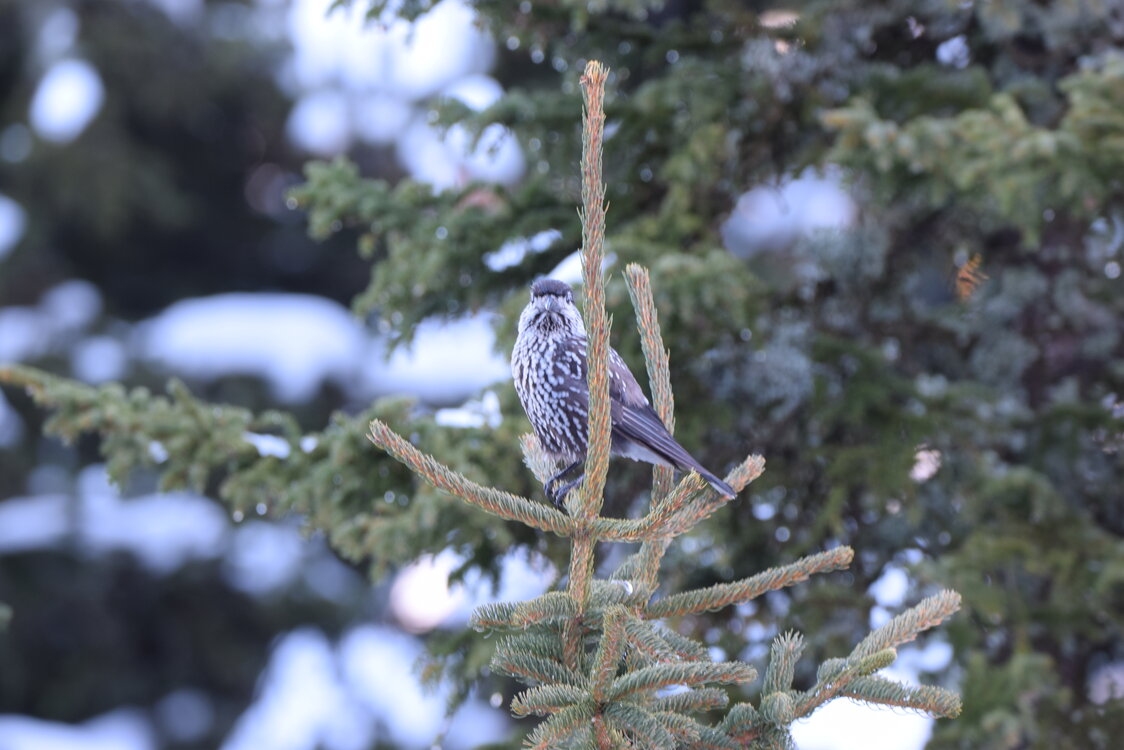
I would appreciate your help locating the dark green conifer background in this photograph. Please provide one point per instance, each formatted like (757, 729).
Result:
(835, 356)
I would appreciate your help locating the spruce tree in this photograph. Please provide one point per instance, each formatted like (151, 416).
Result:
(596, 657)
(970, 311)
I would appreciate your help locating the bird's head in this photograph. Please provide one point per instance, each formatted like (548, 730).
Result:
(552, 309)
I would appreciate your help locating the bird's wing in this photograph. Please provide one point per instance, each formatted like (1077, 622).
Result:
(634, 421)
(634, 418)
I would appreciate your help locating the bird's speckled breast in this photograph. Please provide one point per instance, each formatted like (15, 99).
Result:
(549, 375)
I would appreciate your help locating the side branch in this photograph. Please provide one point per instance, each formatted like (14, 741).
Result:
(928, 613)
(933, 700)
(503, 504)
(651, 341)
(686, 505)
(680, 518)
(724, 594)
(658, 363)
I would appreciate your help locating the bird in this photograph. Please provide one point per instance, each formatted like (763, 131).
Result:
(548, 365)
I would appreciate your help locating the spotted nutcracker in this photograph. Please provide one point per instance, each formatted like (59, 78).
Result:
(549, 367)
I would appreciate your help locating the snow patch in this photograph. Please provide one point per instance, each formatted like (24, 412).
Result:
(294, 342)
(13, 220)
(66, 100)
(121, 729)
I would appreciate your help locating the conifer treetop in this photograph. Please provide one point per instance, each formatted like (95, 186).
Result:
(596, 657)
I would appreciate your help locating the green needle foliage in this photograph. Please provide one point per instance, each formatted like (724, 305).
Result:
(601, 659)
(597, 657)
(971, 309)
(327, 476)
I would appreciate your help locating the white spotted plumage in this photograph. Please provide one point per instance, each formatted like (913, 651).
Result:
(549, 368)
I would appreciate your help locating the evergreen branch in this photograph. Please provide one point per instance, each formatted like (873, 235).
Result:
(656, 359)
(497, 502)
(694, 512)
(193, 444)
(547, 699)
(697, 699)
(611, 592)
(623, 529)
(593, 238)
(660, 523)
(688, 673)
(693, 734)
(745, 472)
(904, 628)
(197, 437)
(553, 605)
(784, 654)
(838, 671)
(591, 496)
(641, 726)
(649, 557)
(491, 616)
(752, 728)
(713, 739)
(840, 676)
(741, 719)
(778, 709)
(557, 728)
(582, 546)
(548, 607)
(607, 736)
(608, 657)
(933, 700)
(514, 663)
(628, 569)
(683, 729)
(573, 649)
(724, 594)
(689, 502)
(853, 676)
(832, 678)
(537, 642)
(645, 638)
(685, 648)
(664, 519)
(773, 737)
(663, 644)
(830, 669)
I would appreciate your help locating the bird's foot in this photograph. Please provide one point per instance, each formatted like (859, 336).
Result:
(556, 496)
(560, 495)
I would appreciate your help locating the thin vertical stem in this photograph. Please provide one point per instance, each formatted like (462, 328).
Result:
(597, 322)
(593, 251)
(659, 381)
(658, 364)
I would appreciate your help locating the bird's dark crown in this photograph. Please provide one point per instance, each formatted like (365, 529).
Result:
(552, 287)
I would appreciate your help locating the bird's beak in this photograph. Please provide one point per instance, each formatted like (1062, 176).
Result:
(551, 303)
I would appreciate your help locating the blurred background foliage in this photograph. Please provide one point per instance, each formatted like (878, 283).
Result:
(935, 381)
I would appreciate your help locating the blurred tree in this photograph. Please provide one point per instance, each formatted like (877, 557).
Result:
(961, 419)
(159, 197)
(176, 186)
(905, 399)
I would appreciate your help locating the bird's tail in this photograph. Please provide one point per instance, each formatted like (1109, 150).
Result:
(684, 461)
(722, 488)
